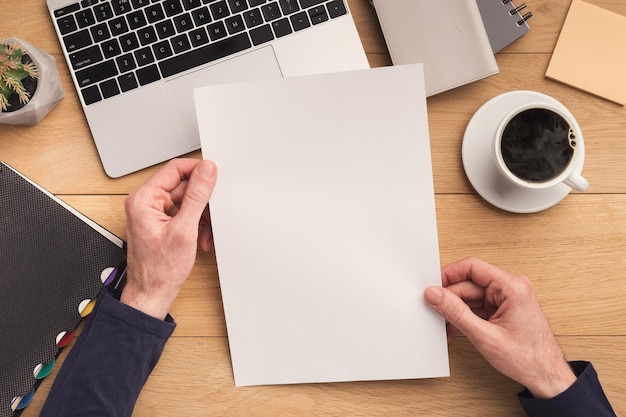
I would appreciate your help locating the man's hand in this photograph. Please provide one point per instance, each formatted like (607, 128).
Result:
(167, 218)
(500, 315)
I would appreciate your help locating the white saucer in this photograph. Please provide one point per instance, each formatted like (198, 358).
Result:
(480, 167)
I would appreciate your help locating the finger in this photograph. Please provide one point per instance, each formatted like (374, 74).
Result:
(472, 269)
(172, 210)
(173, 173)
(199, 188)
(178, 192)
(469, 292)
(206, 216)
(205, 238)
(449, 306)
(451, 332)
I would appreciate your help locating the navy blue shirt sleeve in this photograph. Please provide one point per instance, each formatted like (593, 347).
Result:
(110, 362)
(583, 399)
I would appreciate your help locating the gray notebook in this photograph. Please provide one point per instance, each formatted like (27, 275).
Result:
(447, 36)
(504, 22)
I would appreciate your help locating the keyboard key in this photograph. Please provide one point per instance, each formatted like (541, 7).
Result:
(253, 18)
(147, 35)
(219, 10)
(129, 42)
(281, 27)
(237, 6)
(289, 6)
(205, 54)
(162, 50)
(165, 29)
(155, 13)
(144, 56)
(198, 37)
(85, 18)
(172, 7)
(180, 43)
(88, 3)
(254, 3)
(109, 88)
(100, 32)
(127, 82)
(111, 48)
(86, 57)
(336, 8)
(118, 26)
(318, 14)
(310, 3)
(96, 73)
(217, 31)
(136, 19)
(148, 75)
(103, 12)
(66, 24)
(300, 21)
(77, 40)
(140, 3)
(126, 63)
(64, 11)
(261, 34)
(234, 24)
(121, 6)
(270, 11)
(191, 4)
(201, 16)
(91, 95)
(183, 23)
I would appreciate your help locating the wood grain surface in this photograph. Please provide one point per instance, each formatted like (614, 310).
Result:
(573, 252)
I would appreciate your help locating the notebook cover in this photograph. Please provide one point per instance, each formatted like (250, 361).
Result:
(590, 53)
(447, 36)
(503, 28)
(51, 260)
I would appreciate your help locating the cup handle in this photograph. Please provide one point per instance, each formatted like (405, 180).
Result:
(577, 182)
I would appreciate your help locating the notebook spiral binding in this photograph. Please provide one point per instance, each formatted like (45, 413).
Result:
(517, 10)
(503, 21)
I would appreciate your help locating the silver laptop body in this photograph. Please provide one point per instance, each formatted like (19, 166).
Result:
(135, 63)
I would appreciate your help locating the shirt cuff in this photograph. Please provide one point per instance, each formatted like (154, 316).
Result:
(584, 398)
(110, 302)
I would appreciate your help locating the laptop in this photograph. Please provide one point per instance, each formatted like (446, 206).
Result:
(135, 63)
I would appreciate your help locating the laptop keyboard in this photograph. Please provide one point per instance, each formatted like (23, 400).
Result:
(115, 46)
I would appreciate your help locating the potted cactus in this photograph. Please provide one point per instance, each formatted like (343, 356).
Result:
(30, 85)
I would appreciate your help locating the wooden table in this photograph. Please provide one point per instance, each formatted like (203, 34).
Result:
(573, 252)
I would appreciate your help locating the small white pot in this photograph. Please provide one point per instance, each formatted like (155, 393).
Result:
(48, 93)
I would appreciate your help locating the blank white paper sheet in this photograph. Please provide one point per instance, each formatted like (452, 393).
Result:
(324, 225)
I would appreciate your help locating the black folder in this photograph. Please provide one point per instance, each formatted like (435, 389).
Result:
(52, 259)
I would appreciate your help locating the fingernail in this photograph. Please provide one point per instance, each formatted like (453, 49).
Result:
(207, 169)
(433, 295)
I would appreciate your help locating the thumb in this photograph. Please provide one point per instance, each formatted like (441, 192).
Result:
(452, 308)
(199, 189)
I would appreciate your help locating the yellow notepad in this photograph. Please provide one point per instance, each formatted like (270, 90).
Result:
(590, 52)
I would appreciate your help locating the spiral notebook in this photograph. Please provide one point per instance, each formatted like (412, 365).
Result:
(447, 36)
(504, 22)
(52, 262)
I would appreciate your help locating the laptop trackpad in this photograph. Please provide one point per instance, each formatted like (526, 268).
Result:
(256, 65)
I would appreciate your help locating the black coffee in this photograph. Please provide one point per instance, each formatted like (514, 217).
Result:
(537, 145)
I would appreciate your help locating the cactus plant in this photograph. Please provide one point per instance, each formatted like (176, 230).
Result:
(14, 68)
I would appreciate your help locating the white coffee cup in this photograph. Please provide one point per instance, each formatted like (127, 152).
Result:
(537, 146)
